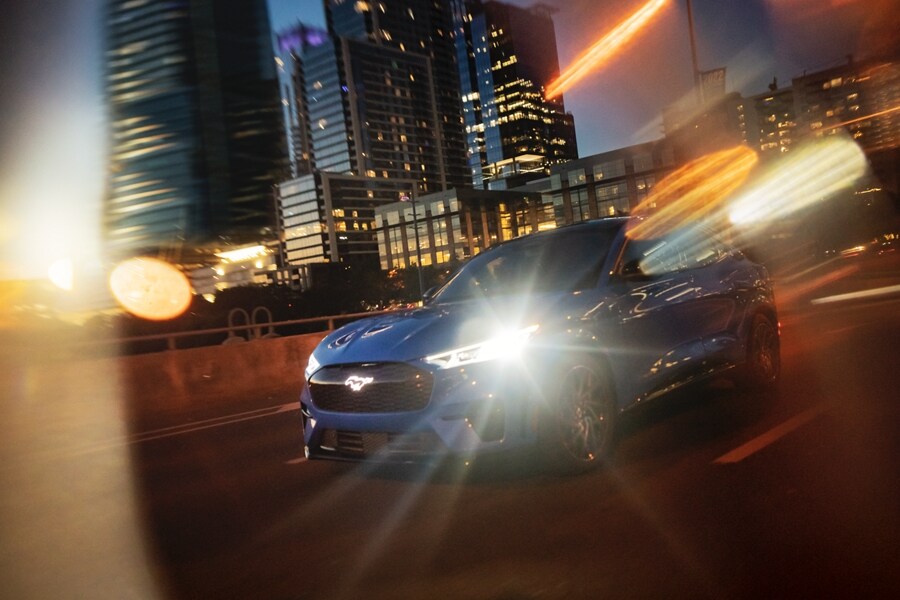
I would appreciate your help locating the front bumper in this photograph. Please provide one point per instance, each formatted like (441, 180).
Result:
(478, 409)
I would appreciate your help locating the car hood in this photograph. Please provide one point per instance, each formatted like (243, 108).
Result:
(413, 334)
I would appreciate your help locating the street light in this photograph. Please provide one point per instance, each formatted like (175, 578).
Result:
(406, 198)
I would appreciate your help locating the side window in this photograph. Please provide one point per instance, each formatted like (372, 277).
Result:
(700, 248)
(651, 257)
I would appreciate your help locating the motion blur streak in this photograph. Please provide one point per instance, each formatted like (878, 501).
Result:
(806, 176)
(604, 48)
(793, 294)
(873, 293)
(866, 118)
(694, 192)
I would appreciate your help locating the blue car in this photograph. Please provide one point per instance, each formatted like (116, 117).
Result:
(542, 342)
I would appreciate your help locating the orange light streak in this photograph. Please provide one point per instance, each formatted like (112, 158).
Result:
(858, 119)
(694, 192)
(604, 48)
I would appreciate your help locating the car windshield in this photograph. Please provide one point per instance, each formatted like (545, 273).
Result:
(561, 261)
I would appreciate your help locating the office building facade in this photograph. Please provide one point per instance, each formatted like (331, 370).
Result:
(196, 141)
(330, 217)
(776, 121)
(376, 118)
(858, 97)
(411, 28)
(507, 57)
(454, 225)
(457, 224)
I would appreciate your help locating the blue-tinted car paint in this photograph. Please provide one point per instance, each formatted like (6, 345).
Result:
(647, 334)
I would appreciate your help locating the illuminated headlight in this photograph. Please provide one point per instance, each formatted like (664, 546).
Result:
(311, 366)
(505, 346)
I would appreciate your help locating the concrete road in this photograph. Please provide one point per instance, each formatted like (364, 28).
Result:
(713, 493)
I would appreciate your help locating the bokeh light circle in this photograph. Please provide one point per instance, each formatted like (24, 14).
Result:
(150, 288)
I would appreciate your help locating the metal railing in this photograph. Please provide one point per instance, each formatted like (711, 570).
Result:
(235, 332)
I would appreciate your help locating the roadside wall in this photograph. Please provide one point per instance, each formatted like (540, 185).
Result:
(190, 378)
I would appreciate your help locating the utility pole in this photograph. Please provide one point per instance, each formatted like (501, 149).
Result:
(690, 15)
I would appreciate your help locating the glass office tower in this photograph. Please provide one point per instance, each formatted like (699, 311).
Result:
(507, 57)
(196, 139)
(421, 28)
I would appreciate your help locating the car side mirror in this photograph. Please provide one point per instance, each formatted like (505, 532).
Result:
(429, 294)
(632, 271)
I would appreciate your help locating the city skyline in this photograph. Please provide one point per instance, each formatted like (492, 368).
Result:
(756, 40)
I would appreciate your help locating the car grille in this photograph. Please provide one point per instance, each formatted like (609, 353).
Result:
(371, 388)
(360, 444)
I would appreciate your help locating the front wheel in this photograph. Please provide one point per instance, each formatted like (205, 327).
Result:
(763, 365)
(584, 417)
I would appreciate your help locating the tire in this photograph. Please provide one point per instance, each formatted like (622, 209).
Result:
(583, 419)
(763, 366)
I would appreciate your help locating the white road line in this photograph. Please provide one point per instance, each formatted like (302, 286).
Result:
(166, 432)
(211, 423)
(227, 418)
(769, 437)
(884, 291)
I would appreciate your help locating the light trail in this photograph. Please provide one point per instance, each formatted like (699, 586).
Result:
(804, 177)
(604, 48)
(694, 193)
(873, 293)
(864, 118)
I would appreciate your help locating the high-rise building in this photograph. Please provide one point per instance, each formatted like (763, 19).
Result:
(715, 124)
(413, 27)
(196, 140)
(375, 117)
(776, 120)
(507, 58)
(293, 45)
(860, 97)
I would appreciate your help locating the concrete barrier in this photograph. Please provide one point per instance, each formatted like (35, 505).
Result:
(192, 378)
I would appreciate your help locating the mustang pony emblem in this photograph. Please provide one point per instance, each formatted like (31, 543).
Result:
(357, 383)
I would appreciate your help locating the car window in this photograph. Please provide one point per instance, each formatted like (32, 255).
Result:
(701, 248)
(680, 250)
(651, 257)
(563, 261)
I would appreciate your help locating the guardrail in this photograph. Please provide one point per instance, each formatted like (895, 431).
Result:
(253, 329)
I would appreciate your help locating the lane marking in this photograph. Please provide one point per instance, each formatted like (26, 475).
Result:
(211, 423)
(770, 437)
(166, 432)
(856, 295)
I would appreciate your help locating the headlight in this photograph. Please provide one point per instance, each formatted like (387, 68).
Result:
(505, 346)
(311, 366)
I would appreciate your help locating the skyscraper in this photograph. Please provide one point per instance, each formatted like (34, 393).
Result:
(196, 140)
(377, 119)
(421, 28)
(507, 57)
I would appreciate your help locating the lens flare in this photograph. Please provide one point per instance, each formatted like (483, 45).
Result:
(695, 192)
(806, 176)
(150, 288)
(61, 274)
(604, 48)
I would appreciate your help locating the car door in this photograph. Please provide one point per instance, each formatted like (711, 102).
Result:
(656, 304)
(726, 284)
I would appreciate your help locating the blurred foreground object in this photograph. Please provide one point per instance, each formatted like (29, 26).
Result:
(150, 288)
